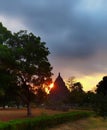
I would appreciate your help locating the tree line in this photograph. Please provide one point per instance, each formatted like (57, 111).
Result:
(93, 100)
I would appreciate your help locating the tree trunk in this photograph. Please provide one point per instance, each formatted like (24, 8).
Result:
(29, 112)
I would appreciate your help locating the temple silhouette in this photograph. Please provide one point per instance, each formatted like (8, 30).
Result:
(59, 93)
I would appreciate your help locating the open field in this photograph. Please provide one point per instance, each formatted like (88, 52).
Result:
(91, 123)
(11, 114)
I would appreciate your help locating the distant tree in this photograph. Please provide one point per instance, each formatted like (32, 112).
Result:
(30, 65)
(89, 99)
(77, 94)
(70, 82)
(77, 87)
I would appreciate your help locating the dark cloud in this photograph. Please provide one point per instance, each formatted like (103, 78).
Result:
(75, 31)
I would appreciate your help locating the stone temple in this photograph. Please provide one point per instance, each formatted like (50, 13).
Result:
(59, 92)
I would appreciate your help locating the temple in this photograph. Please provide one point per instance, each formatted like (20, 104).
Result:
(59, 92)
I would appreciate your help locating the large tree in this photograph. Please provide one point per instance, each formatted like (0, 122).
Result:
(28, 61)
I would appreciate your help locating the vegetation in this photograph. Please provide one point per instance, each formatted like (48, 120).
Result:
(43, 121)
(24, 65)
(100, 98)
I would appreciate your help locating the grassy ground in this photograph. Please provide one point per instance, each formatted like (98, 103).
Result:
(91, 123)
(11, 114)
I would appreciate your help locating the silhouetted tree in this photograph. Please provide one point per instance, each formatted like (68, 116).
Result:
(89, 99)
(77, 87)
(77, 94)
(100, 100)
(70, 82)
(102, 86)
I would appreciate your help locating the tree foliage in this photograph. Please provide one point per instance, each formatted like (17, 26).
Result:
(100, 99)
(70, 82)
(77, 94)
(24, 57)
(4, 34)
(102, 86)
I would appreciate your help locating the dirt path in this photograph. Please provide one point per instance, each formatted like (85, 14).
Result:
(84, 124)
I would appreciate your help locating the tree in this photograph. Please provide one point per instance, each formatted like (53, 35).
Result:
(102, 86)
(89, 99)
(5, 59)
(77, 94)
(77, 87)
(100, 102)
(70, 82)
(30, 64)
(4, 33)
(7, 83)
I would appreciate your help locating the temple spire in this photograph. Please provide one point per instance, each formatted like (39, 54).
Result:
(59, 74)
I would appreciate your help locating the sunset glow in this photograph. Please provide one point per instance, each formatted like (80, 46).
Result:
(90, 82)
(51, 85)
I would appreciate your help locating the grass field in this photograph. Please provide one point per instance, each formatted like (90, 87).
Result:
(92, 123)
(11, 114)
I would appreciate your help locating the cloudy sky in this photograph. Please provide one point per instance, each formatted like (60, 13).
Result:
(75, 32)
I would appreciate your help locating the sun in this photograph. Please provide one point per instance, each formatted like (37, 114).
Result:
(51, 85)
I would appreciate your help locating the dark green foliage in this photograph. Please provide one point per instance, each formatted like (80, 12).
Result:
(77, 94)
(100, 105)
(24, 57)
(32, 67)
(7, 83)
(102, 86)
(43, 122)
(4, 34)
(89, 99)
(100, 99)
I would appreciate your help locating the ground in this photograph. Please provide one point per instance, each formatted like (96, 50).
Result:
(11, 114)
(92, 123)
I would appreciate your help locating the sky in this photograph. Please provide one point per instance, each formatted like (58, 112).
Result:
(75, 31)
